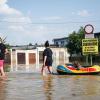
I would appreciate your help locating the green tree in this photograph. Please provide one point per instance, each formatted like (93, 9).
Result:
(8, 46)
(30, 44)
(75, 41)
(3, 40)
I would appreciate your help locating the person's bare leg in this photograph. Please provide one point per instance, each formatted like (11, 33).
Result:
(2, 71)
(50, 69)
(44, 70)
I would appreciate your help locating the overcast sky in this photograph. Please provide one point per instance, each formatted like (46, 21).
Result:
(35, 21)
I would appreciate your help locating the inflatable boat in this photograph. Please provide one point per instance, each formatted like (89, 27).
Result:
(70, 69)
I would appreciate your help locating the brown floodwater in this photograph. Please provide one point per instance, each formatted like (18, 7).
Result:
(34, 86)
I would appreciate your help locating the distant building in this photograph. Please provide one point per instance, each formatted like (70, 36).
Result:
(60, 42)
(25, 47)
(22, 47)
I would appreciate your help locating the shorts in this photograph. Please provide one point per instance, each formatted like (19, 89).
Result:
(1, 63)
(48, 63)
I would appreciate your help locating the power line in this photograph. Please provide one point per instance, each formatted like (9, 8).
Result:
(66, 22)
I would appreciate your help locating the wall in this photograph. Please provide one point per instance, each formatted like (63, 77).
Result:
(34, 59)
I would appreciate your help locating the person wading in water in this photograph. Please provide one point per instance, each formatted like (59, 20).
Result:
(47, 59)
(3, 51)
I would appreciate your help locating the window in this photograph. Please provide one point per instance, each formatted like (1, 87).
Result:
(56, 43)
(62, 43)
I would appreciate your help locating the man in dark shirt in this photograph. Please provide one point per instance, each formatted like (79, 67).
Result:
(47, 58)
(3, 50)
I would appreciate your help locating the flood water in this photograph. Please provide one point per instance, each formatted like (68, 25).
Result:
(34, 86)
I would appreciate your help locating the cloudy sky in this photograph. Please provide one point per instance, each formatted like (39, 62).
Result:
(35, 21)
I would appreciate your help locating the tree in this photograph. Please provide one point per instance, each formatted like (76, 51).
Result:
(30, 44)
(3, 40)
(75, 41)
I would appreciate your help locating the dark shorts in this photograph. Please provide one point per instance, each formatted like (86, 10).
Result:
(48, 63)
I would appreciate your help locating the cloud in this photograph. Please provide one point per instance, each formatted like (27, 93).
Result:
(20, 29)
(3, 2)
(13, 22)
(17, 19)
(52, 18)
(83, 13)
(6, 10)
(13, 18)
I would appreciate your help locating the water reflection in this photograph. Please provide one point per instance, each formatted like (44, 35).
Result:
(85, 85)
(62, 87)
(24, 86)
(2, 89)
(47, 85)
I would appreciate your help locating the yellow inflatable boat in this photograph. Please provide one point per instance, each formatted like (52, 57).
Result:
(69, 69)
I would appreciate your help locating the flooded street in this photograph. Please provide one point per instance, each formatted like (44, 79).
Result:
(34, 86)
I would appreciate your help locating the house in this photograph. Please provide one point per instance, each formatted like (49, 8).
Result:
(32, 59)
(60, 42)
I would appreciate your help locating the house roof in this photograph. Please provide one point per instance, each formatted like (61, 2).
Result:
(60, 38)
